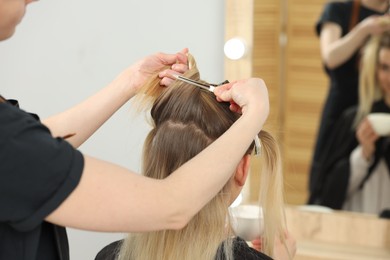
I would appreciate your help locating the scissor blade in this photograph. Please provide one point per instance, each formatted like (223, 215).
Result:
(195, 83)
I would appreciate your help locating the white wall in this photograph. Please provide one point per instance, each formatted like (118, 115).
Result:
(64, 51)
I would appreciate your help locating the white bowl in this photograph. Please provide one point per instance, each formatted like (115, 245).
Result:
(380, 122)
(247, 221)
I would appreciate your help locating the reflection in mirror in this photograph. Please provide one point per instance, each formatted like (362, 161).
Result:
(285, 53)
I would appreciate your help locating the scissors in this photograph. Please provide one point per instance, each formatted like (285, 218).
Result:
(211, 87)
(208, 87)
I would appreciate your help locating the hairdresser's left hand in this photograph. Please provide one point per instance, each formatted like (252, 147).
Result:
(178, 67)
(135, 76)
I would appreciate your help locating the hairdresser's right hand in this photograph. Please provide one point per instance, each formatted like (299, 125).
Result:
(375, 24)
(249, 95)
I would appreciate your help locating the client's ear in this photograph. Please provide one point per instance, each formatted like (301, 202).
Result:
(242, 170)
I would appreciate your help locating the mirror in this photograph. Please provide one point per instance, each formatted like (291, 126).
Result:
(284, 51)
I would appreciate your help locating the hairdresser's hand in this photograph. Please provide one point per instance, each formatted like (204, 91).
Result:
(179, 67)
(135, 76)
(245, 95)
(375, 24)
(367, 138)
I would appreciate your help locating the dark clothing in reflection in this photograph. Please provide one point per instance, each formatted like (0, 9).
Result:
(343, 90)
(332, 183)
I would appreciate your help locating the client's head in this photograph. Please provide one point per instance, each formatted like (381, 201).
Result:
(185, 120)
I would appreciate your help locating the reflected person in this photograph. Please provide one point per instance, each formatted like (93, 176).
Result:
(356, 162)
(343, 28)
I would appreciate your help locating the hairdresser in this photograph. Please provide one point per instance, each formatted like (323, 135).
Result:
(343, 28)
(47, 184)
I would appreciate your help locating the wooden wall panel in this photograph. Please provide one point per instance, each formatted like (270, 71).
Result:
(304, 92)
(266, 52)
(266, 65)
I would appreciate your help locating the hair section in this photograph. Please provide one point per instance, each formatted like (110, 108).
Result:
(185, 120)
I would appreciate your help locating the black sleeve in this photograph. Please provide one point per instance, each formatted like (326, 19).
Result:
(37, 171)
(335, 12)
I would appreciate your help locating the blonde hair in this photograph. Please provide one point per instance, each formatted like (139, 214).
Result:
(185, 121)
(369, 88)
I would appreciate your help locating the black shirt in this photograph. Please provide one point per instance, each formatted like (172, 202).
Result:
(345, 76)
(343, 92)
(37, 173)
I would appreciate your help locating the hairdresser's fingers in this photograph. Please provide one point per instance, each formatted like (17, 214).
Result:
(168, 76)
(170, 59)
(249, 94)
(220, 92)
(236, 91)
(180, 68)
(166, 82)
(184, 51)
(182, 57)
(225, 87)
(235, 108)
(224, 93)
(167, 59)
(168, 73)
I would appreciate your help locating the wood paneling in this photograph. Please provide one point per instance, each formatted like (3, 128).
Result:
(266, 65)
(266, 54)
(305, 89)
